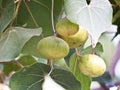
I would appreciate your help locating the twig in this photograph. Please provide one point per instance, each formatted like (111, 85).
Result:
(2, 77)
(93, 45)
(31, 14)
(15, 61)
(15, 13)
(51, 66)
(76, 60)
(52, 17)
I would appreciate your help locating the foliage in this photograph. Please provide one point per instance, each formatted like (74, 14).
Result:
(24, 22)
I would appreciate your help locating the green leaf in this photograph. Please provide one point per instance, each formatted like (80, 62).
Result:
(117, 2)
(116, 16)
(26, 60)
(96, 17)
(0, 2)
(9, 67)
(42, 60)
(84, 80)
(6, 14)
(38, 14)
(32, 78)
(14, 66)
(105, 78)
(61, 63)
(30, 48)
(12, 42)
(88, 50)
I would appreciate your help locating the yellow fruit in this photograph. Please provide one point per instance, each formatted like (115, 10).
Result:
(74, 35)
(92, 65)
(53, 48)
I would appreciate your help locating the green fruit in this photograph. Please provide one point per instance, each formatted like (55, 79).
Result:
(74, 35)
(53, 48)
(92, 65)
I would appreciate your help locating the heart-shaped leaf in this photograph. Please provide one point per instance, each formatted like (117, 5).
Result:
(7, 13)
(32, 78)
(96, 17)
(12, 43)
(85, 80)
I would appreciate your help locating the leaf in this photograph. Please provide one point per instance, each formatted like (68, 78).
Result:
(88, 50)
(0, 2)
(61, 63)
(1, 67)
(116, 16)
(105, 78)
(6, 14)
(117, 2)
(108, 47)
(30, 47)
(9, 67)
(50, 84)
(38, 14)
(32, 78)
(12, 43)
(42, 60)
(84, 80)
(26, 60)
(14, 66)
(96, 17)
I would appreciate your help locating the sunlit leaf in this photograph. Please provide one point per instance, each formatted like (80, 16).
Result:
(12, 43)
(96, 17)
(32, 78)
(37, 13)
(6, 14)
(85, 80)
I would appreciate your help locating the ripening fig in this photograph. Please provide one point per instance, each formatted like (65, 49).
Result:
(92, 65)
(53, 48)
(73, 34)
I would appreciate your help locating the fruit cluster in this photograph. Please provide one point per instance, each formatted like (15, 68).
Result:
(71, 35)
